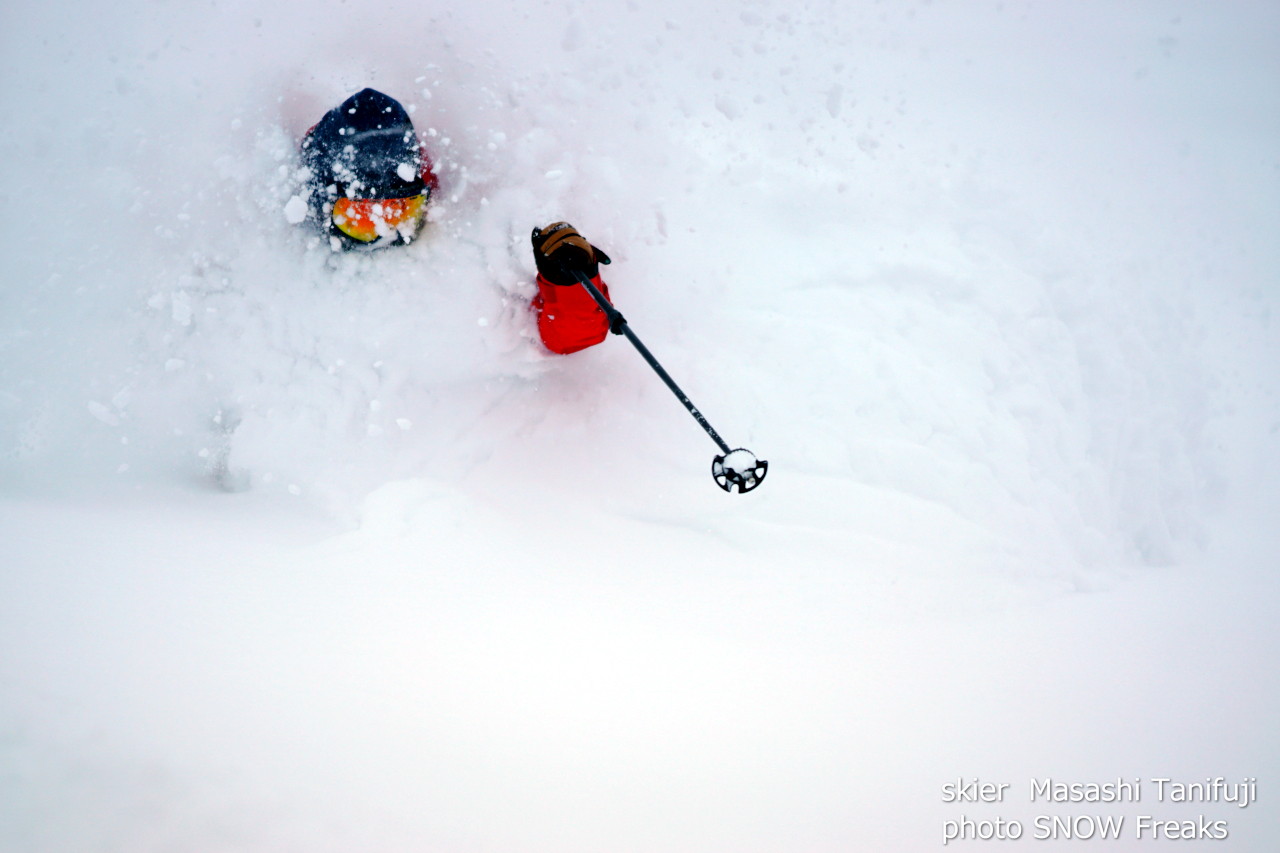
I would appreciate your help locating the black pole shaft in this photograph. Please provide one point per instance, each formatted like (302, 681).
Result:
(618, 325)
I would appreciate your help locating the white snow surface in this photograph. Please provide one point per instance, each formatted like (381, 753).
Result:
(324, 552)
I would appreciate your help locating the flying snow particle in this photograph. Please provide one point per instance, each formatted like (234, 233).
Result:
(180, 308)
(727, 106)
(295, 210)
(835, 100)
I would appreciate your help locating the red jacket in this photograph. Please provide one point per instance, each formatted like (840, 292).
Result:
(568, 318)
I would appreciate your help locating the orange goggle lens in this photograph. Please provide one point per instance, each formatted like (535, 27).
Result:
(368, 219)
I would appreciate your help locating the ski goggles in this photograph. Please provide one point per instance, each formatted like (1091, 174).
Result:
(366, 219)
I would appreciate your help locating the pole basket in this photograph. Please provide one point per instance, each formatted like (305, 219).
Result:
(738, 470)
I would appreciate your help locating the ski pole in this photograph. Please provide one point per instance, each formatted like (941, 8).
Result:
(734, 467)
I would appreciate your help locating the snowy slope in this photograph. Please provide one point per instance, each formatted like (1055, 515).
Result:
(325, 552)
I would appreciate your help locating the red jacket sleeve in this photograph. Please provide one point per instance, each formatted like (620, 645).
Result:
(568, 318)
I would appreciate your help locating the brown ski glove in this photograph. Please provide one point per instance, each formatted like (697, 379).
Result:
(560, 251)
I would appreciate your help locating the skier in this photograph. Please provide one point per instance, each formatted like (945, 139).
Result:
(368, 177)
(568, 318)
(368, 181)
